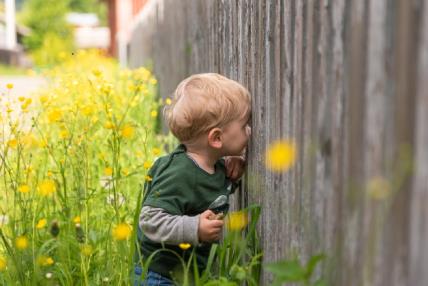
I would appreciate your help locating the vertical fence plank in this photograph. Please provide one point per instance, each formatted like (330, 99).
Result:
(419, 212)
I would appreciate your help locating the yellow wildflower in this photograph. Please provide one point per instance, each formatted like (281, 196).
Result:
(148, 178)
(45, 260)
(41, 223)
(108, 171)
(281, 155)
(24, 189)
(55, 115)
(107, 88)
(49, 174)
(28, 101)
(96, 72)
(29, 141)
(86, 250)
(63, 134)
(147, 165)
(131, 87)
(49, 261)
(109, 125)
(46, 188)
(122, 231)
(168, 101)
(156, 151)
(237, 220)
(9, 85)
(62, 55)
(145, 74)
(21, 242)
(127, 131)
(43, 143)
(29, 169)
(101, 156)
(184, 246)
(153, 81)
(136, 99)
(154, 113)
(43, 98)
(87, 110)
(125, 171)
(76, 219)
(21, 98)
(139, 154)
(3, 263)
(12, 143)
(144, 90)
(379, 188)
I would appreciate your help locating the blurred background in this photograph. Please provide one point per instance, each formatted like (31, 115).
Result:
(37, 33)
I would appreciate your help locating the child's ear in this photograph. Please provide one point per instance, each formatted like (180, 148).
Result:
(214, 138)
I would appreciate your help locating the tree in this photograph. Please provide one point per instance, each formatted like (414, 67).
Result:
(50, 33)
(45, 17)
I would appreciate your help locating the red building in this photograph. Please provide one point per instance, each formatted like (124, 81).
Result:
(121, 16)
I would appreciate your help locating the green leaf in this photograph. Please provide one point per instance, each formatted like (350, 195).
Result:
(237, 272)
(313, 263)
(287, 270)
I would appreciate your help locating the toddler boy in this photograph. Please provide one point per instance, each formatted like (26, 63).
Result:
(209, 115)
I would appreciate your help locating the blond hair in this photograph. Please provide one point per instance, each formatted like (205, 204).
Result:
(204, 101)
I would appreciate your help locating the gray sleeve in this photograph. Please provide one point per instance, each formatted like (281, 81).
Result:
(160, 226)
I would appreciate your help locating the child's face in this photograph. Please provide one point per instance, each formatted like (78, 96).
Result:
(235, 137)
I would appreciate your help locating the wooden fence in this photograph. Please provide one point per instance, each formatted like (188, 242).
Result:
(348, 80)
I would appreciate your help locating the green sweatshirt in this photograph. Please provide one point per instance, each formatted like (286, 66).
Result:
(181, 187)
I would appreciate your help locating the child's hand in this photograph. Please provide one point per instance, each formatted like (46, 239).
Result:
(234, 167)
(209, 230)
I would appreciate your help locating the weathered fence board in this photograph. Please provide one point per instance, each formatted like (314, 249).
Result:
(347, 79)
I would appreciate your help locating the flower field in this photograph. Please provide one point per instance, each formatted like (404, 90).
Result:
(73, 163)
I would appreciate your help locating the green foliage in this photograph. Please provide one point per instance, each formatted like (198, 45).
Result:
(45, 17)
(235, 261)
(288, 271)
(51, 36)
(50, 33)
(52, 51)
(87, 139)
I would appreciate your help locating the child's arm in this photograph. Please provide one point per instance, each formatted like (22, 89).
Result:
(160, 226)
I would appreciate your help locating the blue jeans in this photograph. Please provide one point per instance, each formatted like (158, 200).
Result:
(152, 278)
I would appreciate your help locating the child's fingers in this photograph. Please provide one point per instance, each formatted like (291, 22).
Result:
(207, 214)
(216, 223)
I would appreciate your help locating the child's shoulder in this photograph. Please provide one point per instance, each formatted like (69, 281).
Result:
(174, 162)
